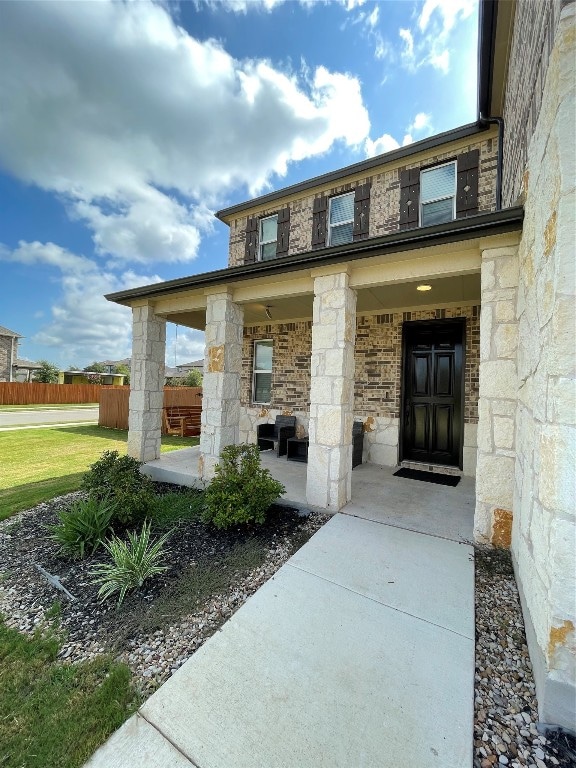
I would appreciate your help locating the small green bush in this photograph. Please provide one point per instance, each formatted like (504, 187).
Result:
(83, 525)
(132, 563)
(120, 478)
(241, 490)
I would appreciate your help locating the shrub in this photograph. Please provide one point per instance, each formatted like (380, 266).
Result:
(133, 562)
(121, 479)
(83, 525)
(241, 490)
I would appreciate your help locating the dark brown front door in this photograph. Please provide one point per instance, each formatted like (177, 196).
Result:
(432, 423)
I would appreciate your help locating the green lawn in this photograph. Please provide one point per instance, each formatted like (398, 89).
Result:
(55, 407)
(39, 464)
(54, 715)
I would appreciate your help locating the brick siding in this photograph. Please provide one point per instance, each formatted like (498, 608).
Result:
(384, 200)
(378, 355)
(6, 356)
(535, 25)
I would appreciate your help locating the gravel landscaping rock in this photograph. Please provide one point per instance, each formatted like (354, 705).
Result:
(506, 730)
(506, 712)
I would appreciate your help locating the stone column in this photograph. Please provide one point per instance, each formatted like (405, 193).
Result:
(498, 396)
(329, 469)
(221, 381)
(146, 384)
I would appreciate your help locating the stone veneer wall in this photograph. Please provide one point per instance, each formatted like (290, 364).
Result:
(544, 525)
(384, 200)
(378, 370)
(535, 23)
(6, 356)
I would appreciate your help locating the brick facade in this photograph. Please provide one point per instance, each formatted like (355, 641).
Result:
(378, 361)
(535, 24)
(8, 345)
(384, 199)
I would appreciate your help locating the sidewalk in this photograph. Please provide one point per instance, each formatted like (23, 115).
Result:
(359, 653)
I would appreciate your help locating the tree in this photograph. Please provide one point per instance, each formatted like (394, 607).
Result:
(96, 368)
(124, 369)
(193, 378)
(47, 373)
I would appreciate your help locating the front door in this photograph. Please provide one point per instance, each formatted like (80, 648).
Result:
(433, 383)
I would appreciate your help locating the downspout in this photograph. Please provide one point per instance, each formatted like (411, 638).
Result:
(10, 374)
(499, 121)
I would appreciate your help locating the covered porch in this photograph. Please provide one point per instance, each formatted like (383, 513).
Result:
(337, 330)
(377, 495)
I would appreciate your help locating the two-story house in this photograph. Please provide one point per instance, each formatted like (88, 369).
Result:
(8, 353)
(430, 293)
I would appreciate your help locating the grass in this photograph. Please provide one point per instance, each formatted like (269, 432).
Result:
(55, 715)
(39, 464)
(48, 407)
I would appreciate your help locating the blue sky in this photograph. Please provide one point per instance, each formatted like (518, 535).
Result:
(125, 125)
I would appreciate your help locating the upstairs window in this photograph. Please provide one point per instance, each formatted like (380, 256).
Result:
(438, 195)
(341, 219)
(268, 238)
(262, 375)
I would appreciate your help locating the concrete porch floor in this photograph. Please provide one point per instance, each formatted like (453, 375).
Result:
(377, 495)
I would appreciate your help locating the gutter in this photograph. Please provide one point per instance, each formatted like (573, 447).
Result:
(424, 145)
(487, 24)
(498, 222)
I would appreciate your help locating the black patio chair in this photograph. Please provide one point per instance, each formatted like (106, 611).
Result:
(276, 435)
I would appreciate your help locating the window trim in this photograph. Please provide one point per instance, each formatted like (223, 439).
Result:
(422, 203)
(262, 242)
(261, 370)
(329, 225)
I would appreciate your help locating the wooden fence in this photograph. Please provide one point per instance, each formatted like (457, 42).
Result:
(35, 393)
(114, 403)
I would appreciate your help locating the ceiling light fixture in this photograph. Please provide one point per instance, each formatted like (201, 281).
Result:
(268, 313)
(423, 287)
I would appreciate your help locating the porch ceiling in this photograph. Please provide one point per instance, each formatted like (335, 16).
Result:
(384, 298)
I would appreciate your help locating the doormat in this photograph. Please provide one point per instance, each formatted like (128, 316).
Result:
(428, 477)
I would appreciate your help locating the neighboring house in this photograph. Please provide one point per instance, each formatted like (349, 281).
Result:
(24, 370)
(430, 293)
(182, 370)
(8, 353)
(91, 377)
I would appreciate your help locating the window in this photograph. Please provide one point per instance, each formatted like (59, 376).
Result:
(268, 236)
(437, 194)
(262, 377)
(341, 219)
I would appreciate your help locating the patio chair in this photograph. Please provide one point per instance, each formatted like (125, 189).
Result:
(270, 436)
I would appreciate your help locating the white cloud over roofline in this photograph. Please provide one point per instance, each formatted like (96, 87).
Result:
(135, 123)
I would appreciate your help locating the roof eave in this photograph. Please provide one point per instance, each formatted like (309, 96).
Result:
(498, 222)
(424, 145)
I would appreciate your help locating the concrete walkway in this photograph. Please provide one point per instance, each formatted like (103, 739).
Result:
(358, 653)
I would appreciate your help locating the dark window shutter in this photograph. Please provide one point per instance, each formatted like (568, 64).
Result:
(362, 211)
(251, 240)
(467, 184)
(319, 212)
(409, 197)
(283, 236)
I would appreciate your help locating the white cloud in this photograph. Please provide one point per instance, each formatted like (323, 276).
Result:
(450, 12)
(135, 123)
(429, 42)
(83, 326)
(408, 53)
(379, 146)
(183, 345)
(421, 124)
